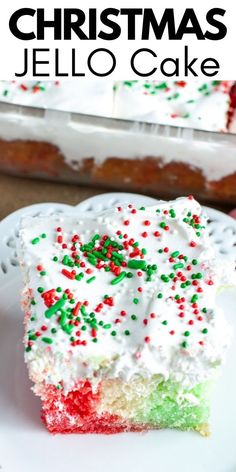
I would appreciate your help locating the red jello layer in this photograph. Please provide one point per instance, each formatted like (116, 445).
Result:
(76, 412)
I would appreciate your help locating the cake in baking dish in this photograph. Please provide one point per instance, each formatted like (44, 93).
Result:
(122, 327)
(69, 139)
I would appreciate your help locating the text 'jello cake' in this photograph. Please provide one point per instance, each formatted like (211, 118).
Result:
(122, 327)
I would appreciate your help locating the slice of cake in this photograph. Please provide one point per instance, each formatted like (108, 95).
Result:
(192, 104)
(122, 328)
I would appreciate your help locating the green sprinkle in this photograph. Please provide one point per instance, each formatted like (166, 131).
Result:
(160, 295)
(28, 349)
(63, 318)
(107, 326)
(33, 302)
(40, 289)
(129, 275)
(94, 340)
(113, 333)
(135, 301)
(127, 332)
(133, 317)
(54, 308)
(165, 278)
(47, 340)
(135, 264)
(180, 265)
(84, 328)
(79, 276)
(119, 278)
(194, 262)
(55, 259)
(142, 208)
(95, 238)
(144, 251)
(187, 333)
(43, 235)
(43, 272)
(53, 330)
(175, 254)
(205, 331)
(100, 255)
(88, 281)
(35, 241)
(162, 224)
(194, 298)
(165, 322)
(204, 310)
(59, 289)
(32, 337)
(184, 344)
(92, 259)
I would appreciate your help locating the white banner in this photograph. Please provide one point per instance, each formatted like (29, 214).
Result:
(117, 39)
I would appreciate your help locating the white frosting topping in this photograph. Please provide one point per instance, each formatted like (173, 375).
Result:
(192, 104)
(161, 318)
(92, 97)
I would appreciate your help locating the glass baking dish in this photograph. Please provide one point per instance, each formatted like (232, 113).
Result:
(164, 161)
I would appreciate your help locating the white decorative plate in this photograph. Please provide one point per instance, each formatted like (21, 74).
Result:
(25, 445)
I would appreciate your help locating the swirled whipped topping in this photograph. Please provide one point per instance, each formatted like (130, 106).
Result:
(122, 293)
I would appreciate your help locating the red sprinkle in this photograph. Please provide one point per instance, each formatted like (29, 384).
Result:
(69, 275)
(76, 309)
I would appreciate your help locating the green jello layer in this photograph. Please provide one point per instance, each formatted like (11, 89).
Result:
(171, 406)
